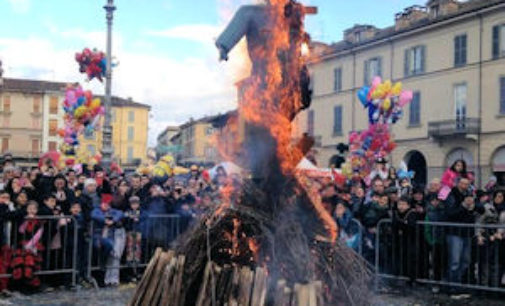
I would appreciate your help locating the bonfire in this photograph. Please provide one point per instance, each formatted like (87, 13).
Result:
(270, 241)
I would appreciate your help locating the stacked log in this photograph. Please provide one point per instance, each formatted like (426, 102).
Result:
(221, 285)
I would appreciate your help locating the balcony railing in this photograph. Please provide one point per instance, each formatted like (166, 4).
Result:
(454, 128)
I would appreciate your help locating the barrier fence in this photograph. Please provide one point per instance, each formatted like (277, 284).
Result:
(452, 255)
(437, 253)
(60, 246)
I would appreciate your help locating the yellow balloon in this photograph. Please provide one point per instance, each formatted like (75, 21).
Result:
(80, 111)
(387, 86)
(387, 104)
(95, 103)
(397, 89)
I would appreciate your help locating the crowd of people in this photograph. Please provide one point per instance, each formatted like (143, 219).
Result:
(50, 219)
(122, 218)
(414, 241)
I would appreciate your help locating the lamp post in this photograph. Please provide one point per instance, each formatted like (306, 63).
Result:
(107, 149)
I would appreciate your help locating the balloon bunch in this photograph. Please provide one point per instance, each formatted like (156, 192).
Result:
(82, 115)
(367, 147)
(385, 101)
(93, 63)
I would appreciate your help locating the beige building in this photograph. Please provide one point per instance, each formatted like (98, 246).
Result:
(30, 115)
(452, 55)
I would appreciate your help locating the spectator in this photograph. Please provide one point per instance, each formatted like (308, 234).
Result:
(435, 237)
(64, 196)
(108, 238)
(120, 199)
(499, 204)
(348, 229)
(460, 208)
(404, 233)
(451, 176)
(378, 210)
(133, 219)
(75, 228)
(89, 199)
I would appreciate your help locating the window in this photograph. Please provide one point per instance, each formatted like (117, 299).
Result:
(130, 154)
(209, 131)
(5, 145)
(36, 105)
(53, 146)
(35, 146)
(7, 104)
(53, 127)
(337, 120)
(373, 68)
(460, 102)
(460, 50)
(113, 115)
(53, 106)
(91, 149)
(131, 133)
(337, 81)
(310, 123)
(498, 41)
(415, 110)
(415, 59)
(502, 95)
(435, 11)
(131, 116)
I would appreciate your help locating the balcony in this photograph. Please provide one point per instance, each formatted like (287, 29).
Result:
(454, 128)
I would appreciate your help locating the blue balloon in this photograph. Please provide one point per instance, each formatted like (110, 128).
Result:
(363, 95)
(371, 111)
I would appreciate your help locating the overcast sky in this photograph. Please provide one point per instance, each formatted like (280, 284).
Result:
(165, 48)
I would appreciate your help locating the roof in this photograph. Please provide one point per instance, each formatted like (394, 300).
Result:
(38, 86)
(389, 32)
(122, 102)
(168, 129)
(31, 86)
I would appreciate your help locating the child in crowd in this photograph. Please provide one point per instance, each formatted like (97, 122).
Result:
(404, 234)
(435, 237)
(26, 259)
(132, 222)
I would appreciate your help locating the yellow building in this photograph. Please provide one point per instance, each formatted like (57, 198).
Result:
(196, 138)
(129, 132)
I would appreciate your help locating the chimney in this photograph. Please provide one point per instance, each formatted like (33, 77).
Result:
(360, 33)
(439, 8)
(410, 16)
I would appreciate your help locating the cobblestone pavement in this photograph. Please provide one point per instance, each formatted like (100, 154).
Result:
(120, 296)
(104, 296)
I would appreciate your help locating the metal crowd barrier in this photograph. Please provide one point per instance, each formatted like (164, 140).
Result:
(56, 244)
(155, 231)
(451, 255)
(76, 253)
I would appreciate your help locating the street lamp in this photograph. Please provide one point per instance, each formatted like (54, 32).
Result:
(107, 149)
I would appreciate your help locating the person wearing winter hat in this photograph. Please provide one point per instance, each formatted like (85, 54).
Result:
(108, 238)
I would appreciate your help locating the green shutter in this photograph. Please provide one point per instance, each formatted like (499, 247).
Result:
(379, 64)
(456, 51)
(365, 76)
(496, 41)
(406, 63)
(423, 59)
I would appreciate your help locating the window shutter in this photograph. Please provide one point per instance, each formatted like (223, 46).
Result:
(337, 120)
(340, 79)
(496, 42)
(379, 64)
(366, 69)
(463, 49)
(456, 51)
(502, 96)
(423, 59)
(406, 63)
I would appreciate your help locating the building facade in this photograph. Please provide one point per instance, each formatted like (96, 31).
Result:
(197, 141)
(30, 116)
(164, 143)
(31, 113)
(130, 127)
(452, 56)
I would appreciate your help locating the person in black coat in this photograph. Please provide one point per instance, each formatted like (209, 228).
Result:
(405, 253)
(460, 208)
(64, 195)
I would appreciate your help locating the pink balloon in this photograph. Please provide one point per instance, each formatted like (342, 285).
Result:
(405, 98)
(376, 81)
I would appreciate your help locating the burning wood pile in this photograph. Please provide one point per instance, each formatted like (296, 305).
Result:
(271, 241)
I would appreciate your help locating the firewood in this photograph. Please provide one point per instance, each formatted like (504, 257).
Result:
(260, 288)
(141, 288)
(202, 297)
(245, 286)
(155, 278)
(177, 281)
(167, 282)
